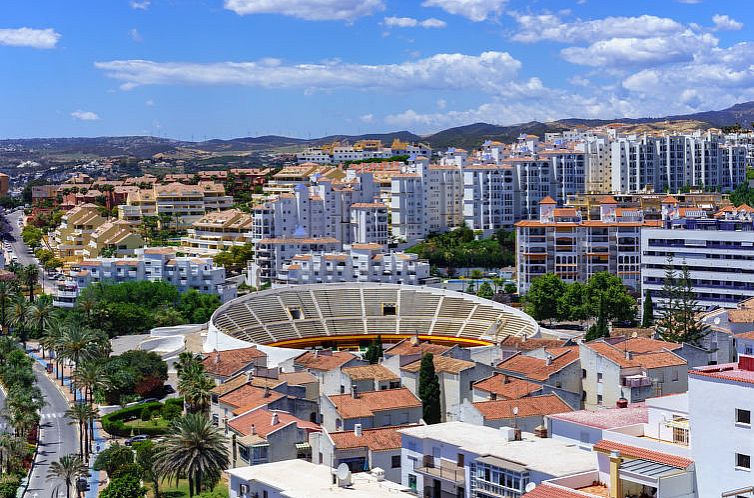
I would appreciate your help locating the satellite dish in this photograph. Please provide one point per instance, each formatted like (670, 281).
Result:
(717, 321)
(343, 473)
(530, 487)
(634, 335)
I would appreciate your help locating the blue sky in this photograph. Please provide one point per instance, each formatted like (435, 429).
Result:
(227, 68)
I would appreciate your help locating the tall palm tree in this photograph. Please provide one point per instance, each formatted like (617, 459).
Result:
(41, 316)
(67, 469)
(8, 288)
(31, 277)
(90, 376)
(79, 344)
(81, 414)
(195, 386)
(193, 448)
(53, 340)
(186, 360)
(20, 311)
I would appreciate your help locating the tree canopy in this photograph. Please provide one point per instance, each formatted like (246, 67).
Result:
(460, 249)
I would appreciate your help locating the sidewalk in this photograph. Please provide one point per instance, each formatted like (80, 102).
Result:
(96, 479)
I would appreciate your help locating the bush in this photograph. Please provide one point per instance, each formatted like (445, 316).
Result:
(8, 486)
(146, 415)
(171, 412)
(114, 423)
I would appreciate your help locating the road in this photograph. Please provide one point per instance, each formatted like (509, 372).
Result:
(57, 437)
(19, 250)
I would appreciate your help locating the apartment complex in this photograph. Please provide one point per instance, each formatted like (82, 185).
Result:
(217, 231)
(563, 243)
(716, 249)
(362, 150)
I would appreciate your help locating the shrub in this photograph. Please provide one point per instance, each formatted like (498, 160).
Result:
(146, 415)
(114, 423)
(171, 412)
(8, 486)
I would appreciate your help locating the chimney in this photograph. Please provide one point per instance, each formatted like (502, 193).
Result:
(266, 391)
(746, 362)
(355, 391)
(629, 355)
(357, 430)
(414, 340)
(249, 376)
(217, 356)
(506, 379)
(517, 434)
(540, 431)
(275, 419)
(253, 429)
(548, 360)
(621, 403)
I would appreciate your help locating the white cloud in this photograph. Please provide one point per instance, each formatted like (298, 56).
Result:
(726, 23)
(149, 103)
(476, 10)
(135, 35)
(489, 72)
(311, 10)
(140, 4)
(689, 2)
(410, 22)
(534, 28)
(85, 115)
(367, 118)
(29, 37)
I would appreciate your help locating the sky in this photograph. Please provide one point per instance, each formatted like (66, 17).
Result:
(200, 69)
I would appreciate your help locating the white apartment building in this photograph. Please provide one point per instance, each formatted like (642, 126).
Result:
(561, 242)
(272, 253)
(489, 197)
(675, 161)
(363, 149)
(369, 223)
(717, 251)
(154, 264)
(217, 231)
(362, 263)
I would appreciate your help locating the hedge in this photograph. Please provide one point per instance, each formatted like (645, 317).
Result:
(114, 423)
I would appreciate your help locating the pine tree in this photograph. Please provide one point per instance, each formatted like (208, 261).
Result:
(374, 351)
(647, 315)
(601, 328)
(429, 390)
(667, 325)
(692, 330)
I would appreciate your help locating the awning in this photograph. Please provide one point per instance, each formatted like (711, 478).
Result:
(648, 469)
(303, 446)
(681, 423)
(502, 463)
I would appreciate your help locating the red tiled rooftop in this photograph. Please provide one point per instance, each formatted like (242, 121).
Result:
(617, 355)
(608, 418)
(324, 360)
(629, 451)
(442, 364)
(368, 372)
(380, 439)
(247, 397)
(550, 491)
(262, 421)
(529, 344)
(226, 363)
(373, 401)
(527, 407)
(506, 387)
(729, 371)
(537, 368)
(409, 346)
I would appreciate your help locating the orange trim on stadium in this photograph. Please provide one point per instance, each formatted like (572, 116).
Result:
(354, 339)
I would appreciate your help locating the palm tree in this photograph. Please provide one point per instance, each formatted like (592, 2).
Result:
(41, 316)
(30, 275)
(186, 359)
(8, 288)
(53, 340)
(67, 469)
(79, 344)
(20, 312)
(195, 386)
(193, 448)
(82, 414)
(90, 376)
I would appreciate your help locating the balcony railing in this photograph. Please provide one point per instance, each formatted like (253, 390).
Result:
(636, 381)
(444, 471)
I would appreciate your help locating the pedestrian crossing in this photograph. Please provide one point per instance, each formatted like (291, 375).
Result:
(51, 416)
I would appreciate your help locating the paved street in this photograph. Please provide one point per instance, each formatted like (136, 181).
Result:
(19, 250)
(57, 437)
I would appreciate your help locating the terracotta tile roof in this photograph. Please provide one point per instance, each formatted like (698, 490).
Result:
(669, 200)
(626, 450)
(230, 385)
(324, 360)
(550, 491)
(262, 420)
(408, 346)
(616, 354)
(366, 372)
(374, 401)
(226, 363)
(298, 378)
(547, 200)
(506, 387)
(608, 418)
(725, 371)
(247, 397)
(646, 345)
(629, 331)
(608, 199)
(537, 368)
(380, 439)
(527, 407)
(522, 344)
(745, 315)
(442, 364)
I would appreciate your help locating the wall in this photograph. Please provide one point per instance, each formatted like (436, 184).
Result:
(583, 435)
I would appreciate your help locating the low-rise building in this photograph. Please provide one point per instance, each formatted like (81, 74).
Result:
(586, 427)
(327, 366)
(502, 386)
(371, 378)
(222, 365)
(527, 414)
(370, 409)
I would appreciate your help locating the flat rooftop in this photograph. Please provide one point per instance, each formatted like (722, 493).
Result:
(608, 418)
(742, 372)
(549, 456)
(302, 479)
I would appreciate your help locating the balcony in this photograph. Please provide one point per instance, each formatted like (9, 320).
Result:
(636, 381)
(444, 470)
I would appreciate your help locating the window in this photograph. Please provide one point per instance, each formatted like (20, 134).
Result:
(243, 489)
(412, 482)
(675, 375)
(599, 399)
(599, 376)
(388, 309)
(583, 373)
(460, 460)
(395, 462)
(743, 461)
(743, 416)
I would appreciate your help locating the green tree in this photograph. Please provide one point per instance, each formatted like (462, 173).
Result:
(31, 278)
(541, 301)
(145, 459)
(67, 469)
(600, 328)
(429, 390)
(647, 315)
(485, 291)
(606, 289)
(194, 448)
(573, 303)
(127, 486)
(374, 351)
(113, 457)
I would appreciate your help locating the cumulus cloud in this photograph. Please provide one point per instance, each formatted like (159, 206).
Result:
(135, 35)
(367, 118)
(85, 115)
(488, 72)
(410, 22)
(476, 10)
(311, 10)
(534, 28)
(29, 37)
(140, 4)
(726, 23)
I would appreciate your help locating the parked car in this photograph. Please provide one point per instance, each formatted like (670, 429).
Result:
(136, 439)
(82, 484)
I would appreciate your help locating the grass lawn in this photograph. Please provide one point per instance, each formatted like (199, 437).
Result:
(156, 423)
(181, 490)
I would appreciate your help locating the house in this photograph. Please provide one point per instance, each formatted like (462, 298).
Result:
(222, 365)
(305, 380)
(370, 409)
(464, 460)
(558, 370)
(302, 479)
(371, 378)
(326, 365)
(586, 427)
(263, 435)
(456, 380)
(633, 369)
(360, 449)
(513, 344)
(527, 414)
(414, 347)
(503, 386)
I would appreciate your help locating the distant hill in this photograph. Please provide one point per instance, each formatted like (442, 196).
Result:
(468, 136)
